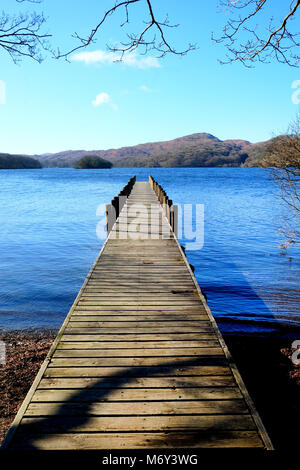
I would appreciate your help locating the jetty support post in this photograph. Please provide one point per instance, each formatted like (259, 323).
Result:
(112, 210)
(170, 210)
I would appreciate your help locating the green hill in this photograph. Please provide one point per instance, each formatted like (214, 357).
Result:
(92, 162)
(15, 162)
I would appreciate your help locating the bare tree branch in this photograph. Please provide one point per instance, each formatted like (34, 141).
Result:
(20, 35)
(252, 33)
(284, 159)
(157, 42)
(248, 42)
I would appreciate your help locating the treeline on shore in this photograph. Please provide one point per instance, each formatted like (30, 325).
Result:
(15, 162)
(20, 162)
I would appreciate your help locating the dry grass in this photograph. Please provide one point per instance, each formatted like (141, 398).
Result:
(25, 352)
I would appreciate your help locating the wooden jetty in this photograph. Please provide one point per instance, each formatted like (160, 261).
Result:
(139, 362)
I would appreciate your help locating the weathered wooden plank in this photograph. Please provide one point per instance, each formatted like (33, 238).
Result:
(142, 285)
(141, 408)
(89, 342)
(131, 394)
(97, 441)
(139, 371)
(133, 262)
(167, 285)
(131, 361)
(92, 319)
(96, 320)
(115, 321)
(139, 382)
(140, 277)
(134, 330)
(140, 308)
(139, 324)
(138, 423)
(171, 294)
(141, 259)
(149, 311)
(146, 270)
(162, 340)
(94, 300)
(138, 296)
(137, 329)
(165, 294)
(128, 353)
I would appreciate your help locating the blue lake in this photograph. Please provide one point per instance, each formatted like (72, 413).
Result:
(48, 242)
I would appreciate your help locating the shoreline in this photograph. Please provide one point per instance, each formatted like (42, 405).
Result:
(263, 361)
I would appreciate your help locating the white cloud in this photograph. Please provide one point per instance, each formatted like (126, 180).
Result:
(103, 57)
(100, 99)
(104, 98)
(145, 88)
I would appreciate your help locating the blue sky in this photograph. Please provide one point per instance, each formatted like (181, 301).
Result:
(94, 103)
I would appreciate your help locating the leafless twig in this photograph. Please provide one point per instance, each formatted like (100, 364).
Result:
(20, 35)
(284, 159)
(248, 38)
(141, 40)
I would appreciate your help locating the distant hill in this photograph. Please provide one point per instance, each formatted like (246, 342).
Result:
(92, 162)
(14, 162)
(208, 154)
(200, 150)
(68, 157)
(256, 152)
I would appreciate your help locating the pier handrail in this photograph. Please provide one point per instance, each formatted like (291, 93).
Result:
(113, 209)
(170, 210)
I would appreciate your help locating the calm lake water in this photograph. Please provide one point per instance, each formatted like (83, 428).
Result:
(48, 242)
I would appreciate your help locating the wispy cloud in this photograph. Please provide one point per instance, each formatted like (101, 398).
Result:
(104, 98)
(145, 88)
(104, 57)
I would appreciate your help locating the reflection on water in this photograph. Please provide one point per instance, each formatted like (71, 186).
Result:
(48, 242)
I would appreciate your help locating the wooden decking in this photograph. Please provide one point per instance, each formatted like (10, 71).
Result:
(139, 361)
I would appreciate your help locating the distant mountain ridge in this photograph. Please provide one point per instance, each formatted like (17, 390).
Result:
(200, 149)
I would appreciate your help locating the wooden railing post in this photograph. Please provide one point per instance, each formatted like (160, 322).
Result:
(174, 219)
(112, 210)
(170, 204)
(170, 211)
(110, 213)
